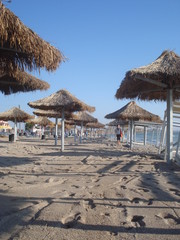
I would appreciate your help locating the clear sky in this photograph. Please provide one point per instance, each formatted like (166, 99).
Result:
(102, 40)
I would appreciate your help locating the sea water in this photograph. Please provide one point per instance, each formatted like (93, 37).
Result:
(153, 136)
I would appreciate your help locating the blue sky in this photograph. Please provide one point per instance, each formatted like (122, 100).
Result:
(102, 40)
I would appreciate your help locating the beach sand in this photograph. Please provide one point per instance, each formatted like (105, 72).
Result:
(93, 190)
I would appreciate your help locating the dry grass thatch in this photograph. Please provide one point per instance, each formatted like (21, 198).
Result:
(132, 111)
(53, 114)
(61, 100)
(15, 114)
(118, 122)
(20, 46)
(43, 121)
(95, 125)
(84, 117)
(164, 70)
(20, 81)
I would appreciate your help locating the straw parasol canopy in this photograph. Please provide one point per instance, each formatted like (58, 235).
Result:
(15, 114)
(52, 114)
(43, 121)
(20, 81)
(132, 111)
(118, 122)
(22, 47)
(84, 117)
(61, 100)
(159, 80)
(95, 125)
(151, 82)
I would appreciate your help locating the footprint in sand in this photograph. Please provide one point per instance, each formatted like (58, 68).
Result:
(88, 203)
(169, 219)
(172, 219)
(138, 220)
(137, 200)
(71, 220)
(123, 187)
(150, 202)
(143, 190)
(175, 191)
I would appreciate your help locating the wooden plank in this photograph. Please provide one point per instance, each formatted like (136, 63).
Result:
(142, 92)
(155, 82)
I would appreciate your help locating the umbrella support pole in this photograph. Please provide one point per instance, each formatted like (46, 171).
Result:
(145, 135)
(131, 134)
(169, 125)
(62, 131)
(56, 131)
(15, 130)
(81, 132)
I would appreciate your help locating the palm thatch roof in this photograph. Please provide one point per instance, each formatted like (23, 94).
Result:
(20, 81)
(53, 114)
(118, 122)
(95, 125)
(43, 121)
(61, 100)
(22, 47)
(132, 111)
(84, 117)
(15, 114)
(151, 82)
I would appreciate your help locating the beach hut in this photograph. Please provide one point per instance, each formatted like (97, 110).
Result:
(21, 47)
(54, 114)
(62, 101)
(15, 115)
(20, 81)
(82, 118)
(159, 80)
(132, 112)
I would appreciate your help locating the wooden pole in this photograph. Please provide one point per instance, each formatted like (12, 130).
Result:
(56, 131)
(62, 131)
(145, 135)
(75, 133)
(169, 125)
(15, 130)
(81, 132)
(131, 134)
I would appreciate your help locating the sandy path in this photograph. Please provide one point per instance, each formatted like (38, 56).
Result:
(91, 191)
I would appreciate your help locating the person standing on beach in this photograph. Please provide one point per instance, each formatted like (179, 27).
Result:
(118, 134)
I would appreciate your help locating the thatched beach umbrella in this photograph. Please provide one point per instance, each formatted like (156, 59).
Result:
(20, 81)
(61, 101)
(118, 122)
(159, 80)
(53, 114)
(42, 121)
(82, 118)
(15, 115)
(20, 46)
(132, 112)
(95, 125)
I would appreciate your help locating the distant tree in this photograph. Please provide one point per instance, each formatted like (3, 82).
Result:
(28, 126)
